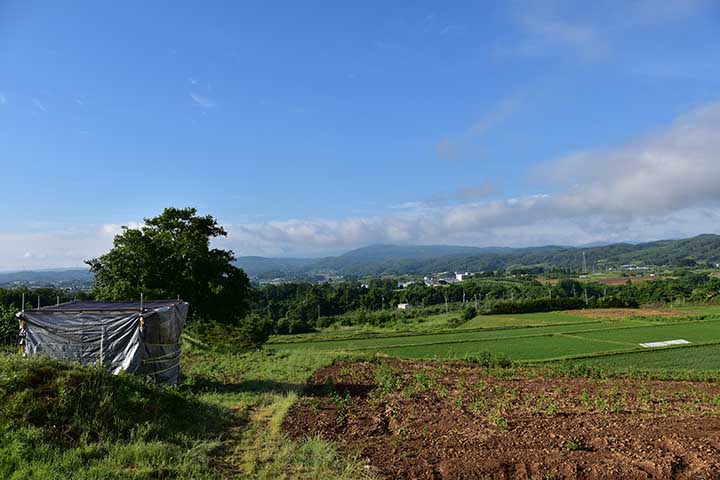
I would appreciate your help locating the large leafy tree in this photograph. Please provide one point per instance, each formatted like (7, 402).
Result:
(169, 256)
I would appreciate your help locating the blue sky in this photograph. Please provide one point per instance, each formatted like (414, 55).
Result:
(310, 128)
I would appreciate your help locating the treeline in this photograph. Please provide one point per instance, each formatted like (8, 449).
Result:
(11, 303)
(304, 307)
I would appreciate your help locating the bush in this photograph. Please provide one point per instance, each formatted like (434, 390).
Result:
(250, 333)
(254, 330)
(537, 305)
(617, 302)
(469, 313)
(489, 360)
(8, 325)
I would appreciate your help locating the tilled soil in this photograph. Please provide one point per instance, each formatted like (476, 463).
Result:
(433, 420)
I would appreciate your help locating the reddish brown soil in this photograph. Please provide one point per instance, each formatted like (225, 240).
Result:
(626, 312)
(623, 280)
(454, 421)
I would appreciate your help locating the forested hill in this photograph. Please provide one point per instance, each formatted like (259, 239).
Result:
(397, 259)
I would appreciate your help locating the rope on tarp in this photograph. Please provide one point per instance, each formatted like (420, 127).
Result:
(162, 358)
(176, 365)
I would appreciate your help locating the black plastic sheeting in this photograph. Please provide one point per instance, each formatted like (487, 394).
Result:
(116, 335)
(94, 306)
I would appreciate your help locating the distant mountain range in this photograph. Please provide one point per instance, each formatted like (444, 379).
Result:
(378, 260)
(70, 277)
(418, 260)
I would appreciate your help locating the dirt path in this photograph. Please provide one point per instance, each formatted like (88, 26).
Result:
(453, 421)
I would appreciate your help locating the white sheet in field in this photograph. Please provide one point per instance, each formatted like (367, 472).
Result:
(666, 343)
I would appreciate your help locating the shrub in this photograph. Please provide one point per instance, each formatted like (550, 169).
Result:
(489, 359)
(469, 313)
(8, 325)
(250, 333)
(617, 302)
(537, 305)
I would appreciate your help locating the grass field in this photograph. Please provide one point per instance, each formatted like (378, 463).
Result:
(248, 395)
(527, 338)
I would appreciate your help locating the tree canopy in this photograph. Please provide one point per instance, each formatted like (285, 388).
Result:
(171, 255)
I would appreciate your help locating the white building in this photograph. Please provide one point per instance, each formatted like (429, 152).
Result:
(462, 276)
(404, 306)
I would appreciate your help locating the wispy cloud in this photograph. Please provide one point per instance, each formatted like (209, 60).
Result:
(201, 100)
(558, 27)
(653, 12)
(459, 146)
(3, 99)
(547, 29)
(661, 185)
(39, 105)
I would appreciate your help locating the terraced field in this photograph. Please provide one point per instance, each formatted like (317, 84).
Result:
(540, 337)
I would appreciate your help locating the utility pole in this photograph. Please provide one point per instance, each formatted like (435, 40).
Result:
(447, 310)
(463, 296)
(586, 297)
(383, 302)
(584, 263)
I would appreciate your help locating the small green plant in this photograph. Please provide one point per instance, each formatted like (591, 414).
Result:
(387, 380)
(496, 418)
(477, 405)
(585, 400)
(575, 445)
(460, 394)
(342, 403)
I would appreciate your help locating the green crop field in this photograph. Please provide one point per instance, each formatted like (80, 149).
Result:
(384, 342)
(523, 348)
(531, 338)
(702, 358)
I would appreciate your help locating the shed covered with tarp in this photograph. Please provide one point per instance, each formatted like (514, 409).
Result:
(122, 336)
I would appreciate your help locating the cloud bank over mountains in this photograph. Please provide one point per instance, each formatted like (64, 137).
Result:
(665, 184)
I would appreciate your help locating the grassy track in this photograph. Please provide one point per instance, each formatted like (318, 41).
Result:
(248, 394)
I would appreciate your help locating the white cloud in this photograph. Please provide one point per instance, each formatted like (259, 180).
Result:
(3, 99)
(112, 229)
(662, 185)
(38, 104)
(201, 100)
